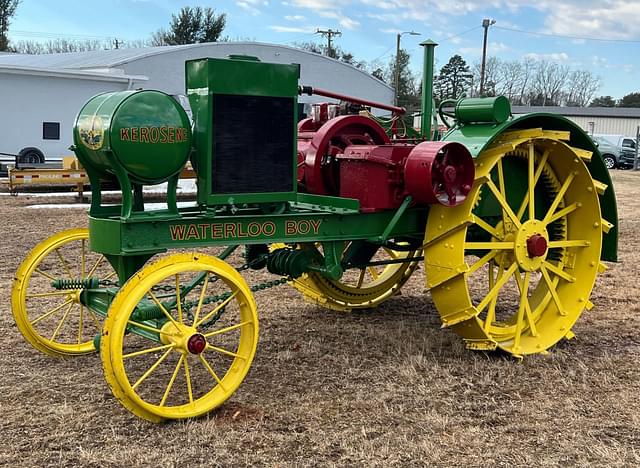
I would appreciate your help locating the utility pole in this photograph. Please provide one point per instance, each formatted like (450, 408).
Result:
(397, 70)
(485, 24)
(329, 33)
(635, 159)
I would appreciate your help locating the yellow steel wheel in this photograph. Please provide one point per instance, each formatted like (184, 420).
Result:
(179, 337)
(359, 288)
(53, 320)
(513, 267)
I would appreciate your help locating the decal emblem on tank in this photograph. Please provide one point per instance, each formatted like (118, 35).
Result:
(91, 131)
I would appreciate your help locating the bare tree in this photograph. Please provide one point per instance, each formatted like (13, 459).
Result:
(548, 82)
(492, 77)
(59, 46)
(581, 87)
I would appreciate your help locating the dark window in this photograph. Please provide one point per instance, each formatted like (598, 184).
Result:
(50, 130)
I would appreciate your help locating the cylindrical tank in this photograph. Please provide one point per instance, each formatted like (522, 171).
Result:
(146, 133)
(496, 110)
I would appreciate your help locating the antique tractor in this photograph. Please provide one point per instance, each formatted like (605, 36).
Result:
(510, 217)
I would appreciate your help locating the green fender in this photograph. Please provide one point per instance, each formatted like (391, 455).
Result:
(476, 137)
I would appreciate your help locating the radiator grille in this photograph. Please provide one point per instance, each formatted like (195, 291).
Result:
(252, 144)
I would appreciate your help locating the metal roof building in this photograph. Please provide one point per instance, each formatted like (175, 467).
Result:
(594, 120)
(40, 94)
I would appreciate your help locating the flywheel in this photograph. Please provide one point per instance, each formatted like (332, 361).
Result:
(514, 265)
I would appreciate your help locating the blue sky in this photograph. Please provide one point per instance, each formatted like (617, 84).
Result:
(369, 28)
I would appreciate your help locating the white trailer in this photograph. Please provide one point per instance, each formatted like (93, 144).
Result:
(38, 107)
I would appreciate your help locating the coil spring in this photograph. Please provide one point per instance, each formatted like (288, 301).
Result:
(75, 283)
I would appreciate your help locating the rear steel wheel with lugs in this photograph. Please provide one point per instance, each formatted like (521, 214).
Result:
(179, 337)
(514, 266)
(359, 287)
(53, 319)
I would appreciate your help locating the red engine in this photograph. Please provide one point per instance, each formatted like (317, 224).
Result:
(352, 156)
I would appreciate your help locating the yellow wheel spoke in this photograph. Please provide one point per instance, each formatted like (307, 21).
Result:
(563, 212)
(64, 264)
(162, 308)
(374, 274)
(503, 203)
(49, 294)
(201, 299)
(187, 377)
(536, 177)
(391, 253)
(146, 327)
(62, 320)
(110, 275)
(52, 311)
(150, 369)
(558, 198)
(493, 292)
(501, 185)
(489, 245)
(559, 272)
(552, 290)
(361, 278)
(215, 311)
(487, 227)
(491, 311)
(95, 266)
(569, 243)
(95, 319)
(227, 329)
(178, 300)
(80, 323)
(205, 363)
(527, 311)
(82, 258)
(524, 301)
(147, 351)
(224, 351)
(483, 261)
(46, 275)
(171, 381)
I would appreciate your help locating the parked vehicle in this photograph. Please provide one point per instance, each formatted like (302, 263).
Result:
(610, 152)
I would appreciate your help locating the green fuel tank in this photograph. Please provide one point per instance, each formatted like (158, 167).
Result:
(145, 134)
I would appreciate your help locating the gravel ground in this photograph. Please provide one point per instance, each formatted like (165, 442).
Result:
(326, 388)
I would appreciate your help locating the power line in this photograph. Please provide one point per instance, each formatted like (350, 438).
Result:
(460, 34)
(581, 38)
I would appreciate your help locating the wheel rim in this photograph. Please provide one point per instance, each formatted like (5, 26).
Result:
(513, 267)
(53, 320)
(196, 365)
(359, 288)
(609, 162)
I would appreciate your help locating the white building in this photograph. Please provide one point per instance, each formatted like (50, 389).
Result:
(594, 120)
(41, 94)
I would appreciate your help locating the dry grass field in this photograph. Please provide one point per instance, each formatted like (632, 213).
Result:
(370, 388)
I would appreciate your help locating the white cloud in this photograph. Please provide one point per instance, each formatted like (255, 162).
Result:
(554, 56)
(295, 18)
(291, 29)
(327, 9)
(252, 6)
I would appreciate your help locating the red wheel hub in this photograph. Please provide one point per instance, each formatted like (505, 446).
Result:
(196, 343)
(536, 246)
